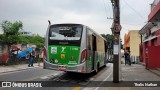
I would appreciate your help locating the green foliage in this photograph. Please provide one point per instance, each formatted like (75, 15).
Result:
(109, 38)
(110, 41)
(35, 40)
(1, 38)
(11, 35)
(10, 32)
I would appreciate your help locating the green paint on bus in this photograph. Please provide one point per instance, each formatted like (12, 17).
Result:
(63, 55)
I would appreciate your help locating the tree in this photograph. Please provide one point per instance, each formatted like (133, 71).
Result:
(110, 40)
(10, 32)
(35, 40)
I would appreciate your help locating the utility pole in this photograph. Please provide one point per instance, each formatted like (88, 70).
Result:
(116, 28)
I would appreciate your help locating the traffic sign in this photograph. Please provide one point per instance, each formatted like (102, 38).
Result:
(117, 28)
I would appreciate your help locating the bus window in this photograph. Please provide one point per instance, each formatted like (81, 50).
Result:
(65, 33)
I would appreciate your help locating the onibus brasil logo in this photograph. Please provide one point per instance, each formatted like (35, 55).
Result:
(21, 84)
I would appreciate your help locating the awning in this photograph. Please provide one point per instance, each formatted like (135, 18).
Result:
(149, 25)
(150, 38)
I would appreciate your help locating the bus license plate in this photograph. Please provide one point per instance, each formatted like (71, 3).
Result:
(62, 67)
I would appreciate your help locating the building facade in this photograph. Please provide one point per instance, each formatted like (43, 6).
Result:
(150, 35)
(131, 43)
(26, 33)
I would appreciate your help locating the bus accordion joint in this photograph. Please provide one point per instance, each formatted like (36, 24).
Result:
(83, 55)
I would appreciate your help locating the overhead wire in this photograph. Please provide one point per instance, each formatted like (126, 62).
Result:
(133, 9)
(105, 7)
(138, 14)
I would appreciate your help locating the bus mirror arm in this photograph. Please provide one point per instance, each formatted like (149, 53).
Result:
(49, 22)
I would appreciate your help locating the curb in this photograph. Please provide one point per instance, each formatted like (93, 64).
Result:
(158, 74)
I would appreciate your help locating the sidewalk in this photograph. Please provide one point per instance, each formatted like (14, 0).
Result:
(139, 67)
(138, 72)
(135, 72)
(12, 68)
(156, 71)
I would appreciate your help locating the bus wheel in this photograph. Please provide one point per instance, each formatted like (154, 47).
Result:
(97, 69)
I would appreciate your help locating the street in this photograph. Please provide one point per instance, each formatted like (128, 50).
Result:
(27, 75)
(77, 81)
(39, 74)
(85, 45)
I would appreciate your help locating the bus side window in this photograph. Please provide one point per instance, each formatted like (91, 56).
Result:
(89, 39)
(90, 42)
(105, 44)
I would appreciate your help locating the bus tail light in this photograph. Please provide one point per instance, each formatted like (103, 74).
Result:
(83, 55)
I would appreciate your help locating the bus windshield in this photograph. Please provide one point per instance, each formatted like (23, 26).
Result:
(65, 32)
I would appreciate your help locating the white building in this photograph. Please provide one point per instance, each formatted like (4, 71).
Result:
(26, 33)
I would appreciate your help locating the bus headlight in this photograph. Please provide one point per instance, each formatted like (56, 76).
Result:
(56, 61)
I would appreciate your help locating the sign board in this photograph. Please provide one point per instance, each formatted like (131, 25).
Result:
(115, 49)
(117, 28)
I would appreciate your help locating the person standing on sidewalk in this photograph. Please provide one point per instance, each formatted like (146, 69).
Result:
(129, 59)
(32, 56)
(126, 56)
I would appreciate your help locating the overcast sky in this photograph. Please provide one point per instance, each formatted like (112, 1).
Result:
(35, 13)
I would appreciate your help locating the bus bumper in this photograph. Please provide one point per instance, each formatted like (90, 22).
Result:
(81, 68)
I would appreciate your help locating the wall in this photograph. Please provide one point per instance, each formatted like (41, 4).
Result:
(127, 40)
(144, 52)
(153, 57)
(3, 53)
(134, 42)
(158, 38)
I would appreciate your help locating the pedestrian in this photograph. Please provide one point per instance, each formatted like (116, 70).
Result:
(129, 59)
(126, 56)
(32, 56)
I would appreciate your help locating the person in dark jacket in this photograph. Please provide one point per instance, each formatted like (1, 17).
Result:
(129, 60)
(32, 56)
(126, 56)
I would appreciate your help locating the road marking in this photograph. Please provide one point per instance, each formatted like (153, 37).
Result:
(103, 80)
(45, 77)
(76, 88)
(91, 79)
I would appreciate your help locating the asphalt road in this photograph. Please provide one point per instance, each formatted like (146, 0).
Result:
(27, 75)
(81, 81)
(39, 74)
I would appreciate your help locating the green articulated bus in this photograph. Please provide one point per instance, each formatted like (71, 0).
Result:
(74, 48)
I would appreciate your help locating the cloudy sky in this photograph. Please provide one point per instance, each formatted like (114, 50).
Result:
(94, 13)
